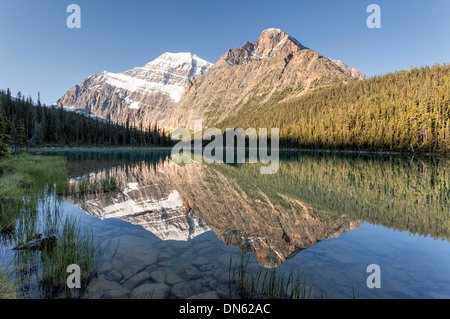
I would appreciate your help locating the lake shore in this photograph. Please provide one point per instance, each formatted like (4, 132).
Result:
(306, 150)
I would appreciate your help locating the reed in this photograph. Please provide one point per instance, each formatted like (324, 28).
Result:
(24, 179)
(75, 245)
(92, 186)
(47, 267)
(265, 283)
(8, 285)
(30, 207)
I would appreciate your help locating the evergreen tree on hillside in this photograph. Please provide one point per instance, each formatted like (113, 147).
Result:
(30, 124)
(4, 150)
(21, 136)
(400, 111)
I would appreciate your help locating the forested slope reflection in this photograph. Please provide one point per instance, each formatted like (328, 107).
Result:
(312, 197)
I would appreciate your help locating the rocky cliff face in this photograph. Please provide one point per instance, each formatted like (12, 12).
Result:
(144, 94)
(177, 89)
(275, 67)
(147, 200)
(179, 203)
(354, 73)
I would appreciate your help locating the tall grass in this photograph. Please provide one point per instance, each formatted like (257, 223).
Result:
(47, 267)
(92, 186)
(30, 209)
(23, 180)
(8, 286)
(27, 173)
(265, 283)
(75, 245)
(9, 210)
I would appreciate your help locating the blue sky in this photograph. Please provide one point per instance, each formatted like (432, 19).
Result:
(38, 53)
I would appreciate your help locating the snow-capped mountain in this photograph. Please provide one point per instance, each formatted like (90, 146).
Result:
(178, 88)
(144, 94)
(182, 202)
(145, 198)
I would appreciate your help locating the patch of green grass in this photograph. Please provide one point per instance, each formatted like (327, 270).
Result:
(90, 186)
(109, 184)
(46, 267)
(8, 286)
(75, 245)
(265, 283)
(29, 209)
(25, 173)
(23, 179)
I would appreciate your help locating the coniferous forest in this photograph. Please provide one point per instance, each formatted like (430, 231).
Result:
(406, 111)
(24, 123)
(401, 111)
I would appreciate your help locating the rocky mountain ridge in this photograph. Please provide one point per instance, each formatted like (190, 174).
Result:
(178, 88)
(274, 68)
(143, 94)
(181, 202)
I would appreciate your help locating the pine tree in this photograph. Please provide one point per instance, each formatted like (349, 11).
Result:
(4, 150)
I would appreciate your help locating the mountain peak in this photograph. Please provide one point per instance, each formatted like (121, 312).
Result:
(177, 59)
(177, 56)
(272, 33)
(272, 42)
(142, 94)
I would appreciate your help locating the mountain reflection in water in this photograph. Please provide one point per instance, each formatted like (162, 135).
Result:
(311, 198)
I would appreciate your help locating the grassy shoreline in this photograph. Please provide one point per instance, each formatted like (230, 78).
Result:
(306, 150)
(23, 179)
(105, 148)
(30, 186)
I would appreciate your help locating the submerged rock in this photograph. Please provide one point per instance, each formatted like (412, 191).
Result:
(137, 280)
(190, 273)
(158, 276)
(114, 275)
(121, 293)
(102, 288)
(39, 242)
(206, 295)
(172, 278)
(151, 291)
